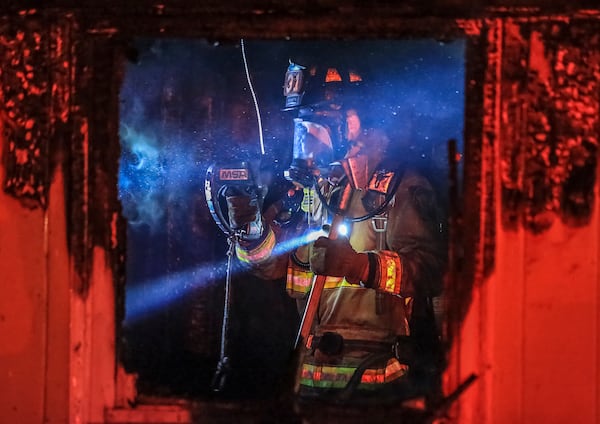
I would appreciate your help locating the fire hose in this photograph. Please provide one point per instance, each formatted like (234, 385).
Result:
(223, 366)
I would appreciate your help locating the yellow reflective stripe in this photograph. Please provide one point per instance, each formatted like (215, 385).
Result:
(298, 280)
(390, 271)
(337, 377)
(325, 376)
(260, 252)
(335, 282)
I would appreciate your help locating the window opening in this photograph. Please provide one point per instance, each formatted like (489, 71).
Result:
(186, 104)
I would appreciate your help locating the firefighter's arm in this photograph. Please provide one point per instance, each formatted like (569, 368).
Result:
(334, 259)
(379, 270)
(337, 258)
(257, 253)
(260, 257)
(416, 260)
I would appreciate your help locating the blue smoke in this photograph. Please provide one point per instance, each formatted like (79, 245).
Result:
(154, 174)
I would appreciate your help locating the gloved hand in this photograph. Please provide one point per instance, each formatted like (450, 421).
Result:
(336, 258)
(244, 215)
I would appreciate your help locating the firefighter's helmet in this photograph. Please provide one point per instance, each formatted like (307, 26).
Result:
(323, 97)
(319, 86)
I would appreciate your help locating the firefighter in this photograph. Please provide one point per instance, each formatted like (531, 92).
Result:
(373, 345)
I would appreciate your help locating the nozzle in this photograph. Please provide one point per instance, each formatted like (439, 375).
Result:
(218, 381)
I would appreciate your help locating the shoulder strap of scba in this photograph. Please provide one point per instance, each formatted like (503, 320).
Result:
(383, 182)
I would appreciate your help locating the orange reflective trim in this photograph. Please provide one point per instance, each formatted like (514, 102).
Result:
(260, 252)
(373, 377)
(298, 280)
(392, 371)
(395, 369)
(338, 376)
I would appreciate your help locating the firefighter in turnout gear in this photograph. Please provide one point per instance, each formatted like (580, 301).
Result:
(373, 343)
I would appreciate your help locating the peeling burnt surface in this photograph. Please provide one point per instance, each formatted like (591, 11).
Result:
(482, 242)
(550, 95)
(254, 11)
(25, 116)
(50, 119)
(61, 70)
(94, 211)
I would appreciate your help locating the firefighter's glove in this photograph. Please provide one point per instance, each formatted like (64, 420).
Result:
(245, 217)
(336, 258)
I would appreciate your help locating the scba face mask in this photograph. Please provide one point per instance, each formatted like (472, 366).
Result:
(312, 151)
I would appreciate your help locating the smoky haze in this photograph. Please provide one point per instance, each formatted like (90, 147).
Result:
(186, 104)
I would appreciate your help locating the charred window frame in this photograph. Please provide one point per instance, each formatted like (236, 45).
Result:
(78, 53)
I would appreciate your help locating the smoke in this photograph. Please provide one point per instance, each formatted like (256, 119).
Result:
(152, 176)
(161, 161)
(156, 294)
(141, 178)
(185, 105)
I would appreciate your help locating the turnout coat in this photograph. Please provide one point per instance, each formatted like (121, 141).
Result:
(362, 343)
